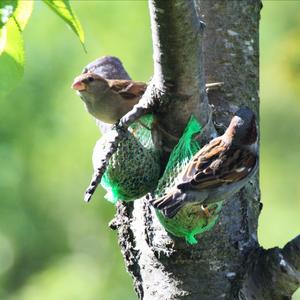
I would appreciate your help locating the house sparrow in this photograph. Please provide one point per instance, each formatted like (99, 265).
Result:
(108, 100)
(218, 170)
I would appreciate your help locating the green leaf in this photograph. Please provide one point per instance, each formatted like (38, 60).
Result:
(14, 15)
(19, 10)
(12, 58)
(23, 12)
(64, 10)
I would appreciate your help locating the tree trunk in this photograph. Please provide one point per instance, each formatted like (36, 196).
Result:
(227, 262)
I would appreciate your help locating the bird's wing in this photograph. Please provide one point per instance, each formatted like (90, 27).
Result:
(217, 164)
(128, 89)
(169, 203)
(203, 158)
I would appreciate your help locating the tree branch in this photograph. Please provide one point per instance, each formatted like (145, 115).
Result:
(215, 267)
(273, 273)
(178, 69)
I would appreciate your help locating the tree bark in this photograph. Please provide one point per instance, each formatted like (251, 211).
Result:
(228, 262)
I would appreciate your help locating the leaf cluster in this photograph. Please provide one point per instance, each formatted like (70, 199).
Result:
(14, 15)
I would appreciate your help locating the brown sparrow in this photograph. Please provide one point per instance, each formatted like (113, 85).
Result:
(219, 169)
(108, 100)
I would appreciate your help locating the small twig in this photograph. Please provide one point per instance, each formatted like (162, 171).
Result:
(140, 109)
(106, 155)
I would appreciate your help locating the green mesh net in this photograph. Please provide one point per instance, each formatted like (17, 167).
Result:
(134, 168)
(191, 219)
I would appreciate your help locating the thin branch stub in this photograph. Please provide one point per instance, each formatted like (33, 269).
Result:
(140, 109)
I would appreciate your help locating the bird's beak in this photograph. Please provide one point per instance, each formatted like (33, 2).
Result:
(78, 85)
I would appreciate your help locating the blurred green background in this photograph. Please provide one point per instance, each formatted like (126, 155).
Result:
(52, 245)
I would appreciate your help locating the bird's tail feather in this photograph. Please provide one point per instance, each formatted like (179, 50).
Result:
(169, 204)
(173, 209)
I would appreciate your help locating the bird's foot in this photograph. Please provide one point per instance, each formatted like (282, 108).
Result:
(213, 86)
(206, 211)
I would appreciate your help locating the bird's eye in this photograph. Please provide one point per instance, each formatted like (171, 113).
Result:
(90, 79)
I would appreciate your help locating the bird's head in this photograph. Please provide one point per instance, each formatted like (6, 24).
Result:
(107, 66)
(90, 83)
(243, 127)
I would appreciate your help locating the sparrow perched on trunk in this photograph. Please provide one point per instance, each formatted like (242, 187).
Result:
(108, 100)
(219, 169)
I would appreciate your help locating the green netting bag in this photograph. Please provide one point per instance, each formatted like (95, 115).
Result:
(134, 168)
(191, 219)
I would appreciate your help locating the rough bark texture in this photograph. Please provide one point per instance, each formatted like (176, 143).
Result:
(177, 33)
(227, 263)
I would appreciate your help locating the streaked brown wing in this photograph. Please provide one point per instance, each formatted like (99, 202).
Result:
(225, 170)
(202, 159)
(127, 88)
(218, 165)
